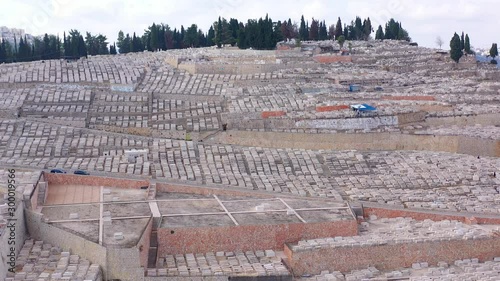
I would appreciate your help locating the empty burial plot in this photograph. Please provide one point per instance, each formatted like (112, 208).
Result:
(117, 210)
(190, 206)
(71, 212)
(131, 229)
(71, 194)
(197, 221)
(212, 211)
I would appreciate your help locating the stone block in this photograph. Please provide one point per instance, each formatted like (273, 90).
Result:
(118, 236)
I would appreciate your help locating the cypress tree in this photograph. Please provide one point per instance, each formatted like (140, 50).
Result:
(303, 33)
(154, 38)
(323, 32)
(82, 49)
(494, 50)
(467, 45)
(211, 36)
(367, 28)
(455, 48)
(338, 29)
(380, 33)
(66, 45)
(218, 38)
(462, 41)
(46, 47)
(3, 52)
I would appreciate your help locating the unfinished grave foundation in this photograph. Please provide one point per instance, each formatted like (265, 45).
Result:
(117, 224)
(210, 224)
(93, 217)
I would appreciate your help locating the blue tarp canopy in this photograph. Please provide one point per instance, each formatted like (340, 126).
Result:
(363, 107)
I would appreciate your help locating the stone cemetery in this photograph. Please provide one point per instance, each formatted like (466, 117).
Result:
(266, 155)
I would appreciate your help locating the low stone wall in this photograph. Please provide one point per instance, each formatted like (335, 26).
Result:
(368, 141)
(206, 278)
(269, 114)
(428, 215)
(349, 124)
(142, 131)
(94, 181)
(236, 69)
(331, 108)
(390, 256)
(409, 98)
(172, 60)
(246, 237)
(332, 59)
(222, 278)
(483, 119)
(206, 190)
(414, 117)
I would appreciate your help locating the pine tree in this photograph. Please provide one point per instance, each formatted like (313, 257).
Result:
(191, 38)
(314, 30)
(341, 41)
(455, 48)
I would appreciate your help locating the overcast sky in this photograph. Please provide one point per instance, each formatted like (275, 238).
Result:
(424, 19)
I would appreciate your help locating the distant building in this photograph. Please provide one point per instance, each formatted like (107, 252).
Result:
(8, 34)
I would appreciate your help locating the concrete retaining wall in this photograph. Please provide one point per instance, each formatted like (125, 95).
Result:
(94, 181)
(246, 237)
(391, 256)
(368, 141)
(483, 119)
(123, 264)
(20, 236)
(222, 278)
(235, 68)
(332, 59)
(39, 230)
(129, 264)
(349, 124)
(384, 212)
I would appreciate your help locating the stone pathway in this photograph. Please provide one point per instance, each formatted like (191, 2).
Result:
(251, 264)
